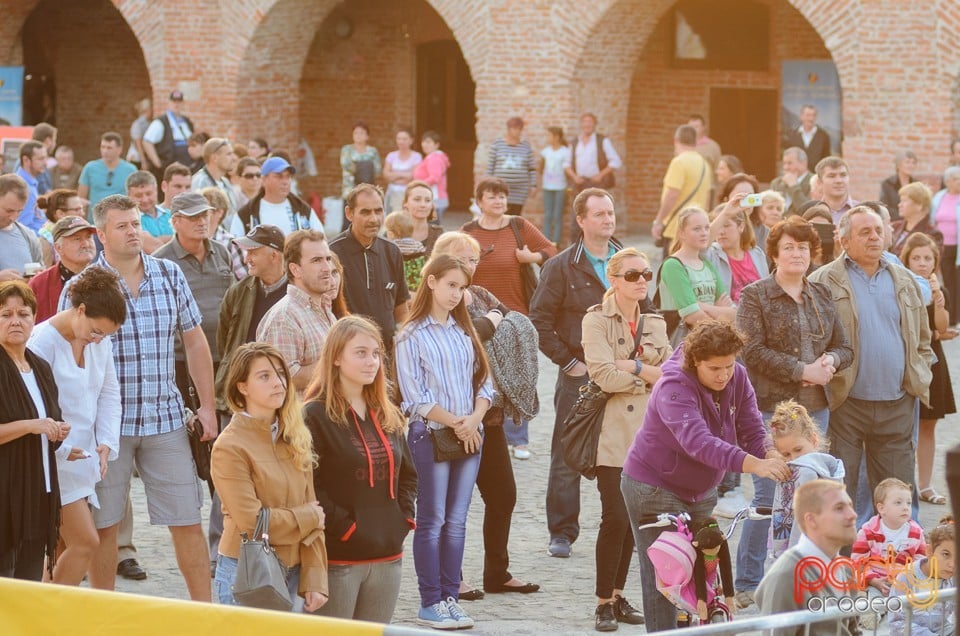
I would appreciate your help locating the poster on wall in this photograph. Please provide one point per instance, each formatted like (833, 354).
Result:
(11, 95)
(812, 82)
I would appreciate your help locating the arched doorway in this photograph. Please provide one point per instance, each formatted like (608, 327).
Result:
(84, 70)
(630, 74)
(390, 64)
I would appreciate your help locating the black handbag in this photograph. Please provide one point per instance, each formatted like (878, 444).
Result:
(581, 428)
(527, 276)
(447, 446)
(261, 579)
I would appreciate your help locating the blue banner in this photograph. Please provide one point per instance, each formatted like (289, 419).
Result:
(812, 82)
(11, 95)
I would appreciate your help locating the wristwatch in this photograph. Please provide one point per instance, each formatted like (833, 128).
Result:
(639, 367)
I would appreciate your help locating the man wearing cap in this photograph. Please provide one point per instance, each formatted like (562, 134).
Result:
(107, 175)
(219, 159)
(373, 280)
(73, 242)
(206, 266)
(166, 138)
(276, 204)
(298, 324)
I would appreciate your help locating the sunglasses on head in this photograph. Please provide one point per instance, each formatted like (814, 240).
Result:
(633, 275)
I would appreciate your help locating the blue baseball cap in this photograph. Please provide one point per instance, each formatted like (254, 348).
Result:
(275, 165)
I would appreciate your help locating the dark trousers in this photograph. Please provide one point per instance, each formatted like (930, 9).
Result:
(884, 429)
(615, 538)
(499, 492)
(563, 483)
(951, 281)
(24, 562)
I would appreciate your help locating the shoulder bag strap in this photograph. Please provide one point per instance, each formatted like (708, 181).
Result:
(637, 337)
(676, 210)
(263, 524)
(514, 223)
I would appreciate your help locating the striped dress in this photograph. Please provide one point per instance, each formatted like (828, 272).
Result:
(515, 165)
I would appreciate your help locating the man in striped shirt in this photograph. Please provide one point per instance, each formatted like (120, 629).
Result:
(511, 159)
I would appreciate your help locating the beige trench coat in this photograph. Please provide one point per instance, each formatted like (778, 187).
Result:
(606, 338)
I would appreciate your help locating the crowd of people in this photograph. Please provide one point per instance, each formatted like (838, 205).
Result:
(359, 386)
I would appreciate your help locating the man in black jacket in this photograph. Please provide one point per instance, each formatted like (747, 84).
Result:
(811, 138)
(570, 283)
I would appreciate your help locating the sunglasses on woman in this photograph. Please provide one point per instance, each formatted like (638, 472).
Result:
(633, 275)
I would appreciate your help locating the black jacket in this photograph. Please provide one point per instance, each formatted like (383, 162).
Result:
(568, 287)
(890, 195)
(818, 149)
(367, 515)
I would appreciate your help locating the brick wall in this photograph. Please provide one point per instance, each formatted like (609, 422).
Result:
(661, 97)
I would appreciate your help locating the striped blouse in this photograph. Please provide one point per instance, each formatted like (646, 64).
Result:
(435, 368)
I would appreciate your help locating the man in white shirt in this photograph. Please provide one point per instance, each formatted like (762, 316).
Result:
(594, 157)
(276, 204)
(811, 138)
(166, 138)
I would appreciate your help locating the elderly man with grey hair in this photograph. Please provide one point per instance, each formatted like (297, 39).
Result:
(219, 160)
(794, 183)
(905, 162)
(873, 401)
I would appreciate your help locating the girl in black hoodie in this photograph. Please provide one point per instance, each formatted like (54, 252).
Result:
(365, 480)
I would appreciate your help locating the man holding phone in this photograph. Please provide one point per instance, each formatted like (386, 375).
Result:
(686, 183)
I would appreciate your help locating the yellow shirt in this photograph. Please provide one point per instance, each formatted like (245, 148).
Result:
(684, 174)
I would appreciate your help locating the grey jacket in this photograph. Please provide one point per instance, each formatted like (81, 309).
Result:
(513, 362)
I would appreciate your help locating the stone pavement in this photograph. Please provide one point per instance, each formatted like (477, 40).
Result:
(565, 603)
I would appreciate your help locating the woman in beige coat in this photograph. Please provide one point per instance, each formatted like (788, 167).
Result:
(609, 333)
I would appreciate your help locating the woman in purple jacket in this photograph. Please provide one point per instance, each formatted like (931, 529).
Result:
(701, 422)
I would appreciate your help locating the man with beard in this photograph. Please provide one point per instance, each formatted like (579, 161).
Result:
(298, 324)
(373, 278)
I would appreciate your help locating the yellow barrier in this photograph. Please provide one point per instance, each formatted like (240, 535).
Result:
(28, 608)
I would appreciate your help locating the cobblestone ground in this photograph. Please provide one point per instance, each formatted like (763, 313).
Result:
(565, 603)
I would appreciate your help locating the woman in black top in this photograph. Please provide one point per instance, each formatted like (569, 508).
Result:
(365, 479)
(30, 431)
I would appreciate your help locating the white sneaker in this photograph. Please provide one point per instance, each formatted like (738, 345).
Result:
(730, 505)
(521, 453)
(437, 616)
(457, 614)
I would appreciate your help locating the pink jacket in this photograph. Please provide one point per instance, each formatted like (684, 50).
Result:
(433, 170)
(871, 542)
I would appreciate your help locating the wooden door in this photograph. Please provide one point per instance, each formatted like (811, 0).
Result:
(446, 104)
(744, 121)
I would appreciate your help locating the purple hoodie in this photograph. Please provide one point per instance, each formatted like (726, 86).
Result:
(685, 446)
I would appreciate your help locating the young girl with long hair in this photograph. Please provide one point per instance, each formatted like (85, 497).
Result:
(445, 383)
(365, 480)
(265, 459)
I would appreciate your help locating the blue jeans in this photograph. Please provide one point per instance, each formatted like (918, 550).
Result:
(227, 573)
(517, 434)
(563, 483)
(752, 549)
(644, 502)
(444, 490)
(553, 202)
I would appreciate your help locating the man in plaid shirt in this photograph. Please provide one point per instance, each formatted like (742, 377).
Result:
(159, 305)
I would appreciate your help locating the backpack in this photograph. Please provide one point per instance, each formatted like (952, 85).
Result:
(671, 316)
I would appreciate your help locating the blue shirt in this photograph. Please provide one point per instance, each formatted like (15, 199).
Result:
(29, 215)
(143, 348)
(925, 290)
(435, 368)
(879, 342)
(103, 182)
(600, 264)
(159, 226)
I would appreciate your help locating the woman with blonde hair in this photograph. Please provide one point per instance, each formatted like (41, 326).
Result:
(624, 344)
(365, 480)
(446, 388)
(265, 459)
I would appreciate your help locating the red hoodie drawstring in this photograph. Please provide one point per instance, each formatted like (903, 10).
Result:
(365, 447)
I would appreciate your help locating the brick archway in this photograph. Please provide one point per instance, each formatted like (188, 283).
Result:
(610, 57)
(285, 30)
(75, 37)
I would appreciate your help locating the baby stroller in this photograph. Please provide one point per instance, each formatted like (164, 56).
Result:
(675, 556)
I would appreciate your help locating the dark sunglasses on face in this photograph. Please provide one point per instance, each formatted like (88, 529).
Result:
(251, 175)
(632, 275)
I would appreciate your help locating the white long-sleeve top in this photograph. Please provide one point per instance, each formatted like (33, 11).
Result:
(89, 398)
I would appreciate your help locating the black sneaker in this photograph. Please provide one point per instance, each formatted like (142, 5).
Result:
(606, 620)
(626, 613)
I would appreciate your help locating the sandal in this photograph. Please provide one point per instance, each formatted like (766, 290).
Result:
(931, 496)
